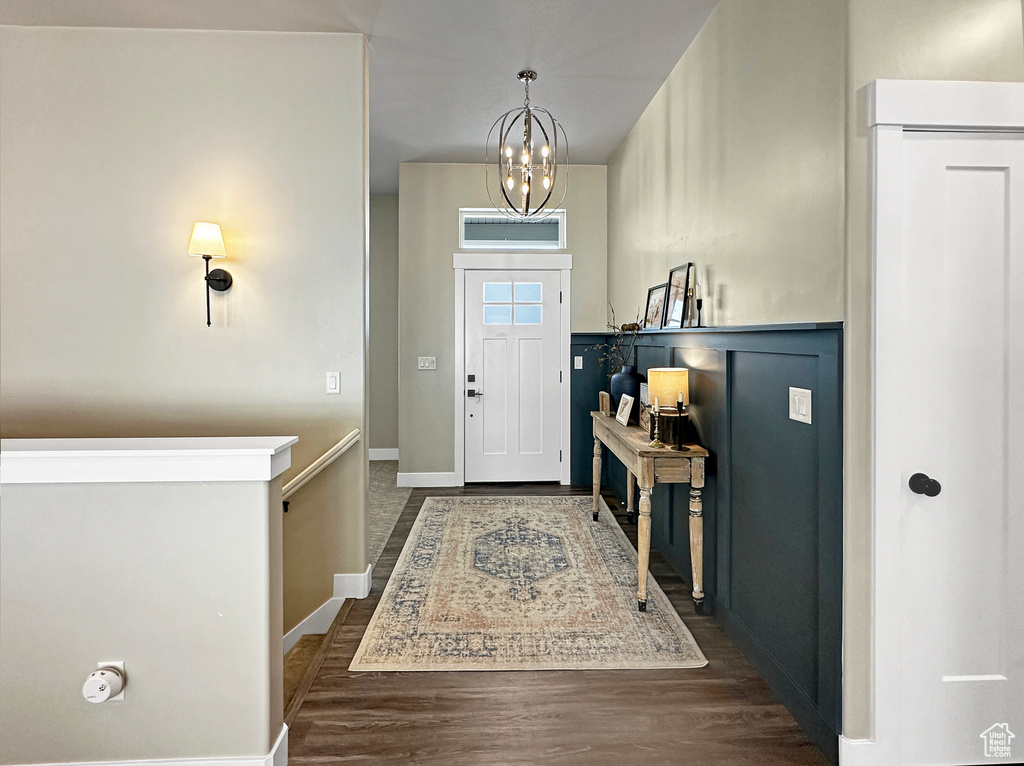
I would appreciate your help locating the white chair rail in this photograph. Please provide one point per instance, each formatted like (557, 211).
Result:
(320, 463)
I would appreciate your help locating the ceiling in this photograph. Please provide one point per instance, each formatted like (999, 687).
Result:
(441, 71)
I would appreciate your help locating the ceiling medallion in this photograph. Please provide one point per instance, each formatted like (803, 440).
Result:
(529, 154)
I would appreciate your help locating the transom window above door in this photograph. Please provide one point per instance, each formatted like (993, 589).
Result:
(487, 229)
(513, 303)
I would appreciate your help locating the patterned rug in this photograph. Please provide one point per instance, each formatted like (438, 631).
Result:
(520, 583)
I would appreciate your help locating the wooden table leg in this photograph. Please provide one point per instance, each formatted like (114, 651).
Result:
(597, 476)
(643, 547)
(697, 533)
(630, 484)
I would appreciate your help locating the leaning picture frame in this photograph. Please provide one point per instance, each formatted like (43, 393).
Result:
(654, 316)
(677, 303)
(625, 408)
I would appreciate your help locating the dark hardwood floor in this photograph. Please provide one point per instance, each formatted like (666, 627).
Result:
(721, 714)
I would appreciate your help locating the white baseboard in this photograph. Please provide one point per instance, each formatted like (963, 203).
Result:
(318, 622)
(857, 752)
(278, 756)
(345, 586)
(429, 480)
(384, 454)
(355, 585)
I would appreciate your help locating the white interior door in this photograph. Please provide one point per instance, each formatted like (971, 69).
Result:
(513, 391)
(961, 423)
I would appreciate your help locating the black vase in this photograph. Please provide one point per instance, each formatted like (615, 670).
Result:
(626, 381)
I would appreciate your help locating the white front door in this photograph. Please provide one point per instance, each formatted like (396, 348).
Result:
(960, 339)
(512, 387)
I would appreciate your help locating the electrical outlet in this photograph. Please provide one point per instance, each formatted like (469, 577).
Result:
(800, 404)
(428, 363)
(334, 382)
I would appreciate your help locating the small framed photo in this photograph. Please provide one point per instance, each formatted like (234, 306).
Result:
(645, 418)
(643, 395)
(625, 408)
(678, 301)
(654, 317)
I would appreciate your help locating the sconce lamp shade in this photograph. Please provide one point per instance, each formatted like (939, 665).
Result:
(666, 383)
(207, 240)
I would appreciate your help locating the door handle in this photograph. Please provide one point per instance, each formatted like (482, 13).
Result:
(474, 392)
(922, 484)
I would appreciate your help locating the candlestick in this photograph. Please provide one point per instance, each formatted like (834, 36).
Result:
(700, 305)
(656, 442)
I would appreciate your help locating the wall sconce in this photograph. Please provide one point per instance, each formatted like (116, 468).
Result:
(208, 242)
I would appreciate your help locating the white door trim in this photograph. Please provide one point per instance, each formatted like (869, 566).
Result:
(561, 262)
(896, 106)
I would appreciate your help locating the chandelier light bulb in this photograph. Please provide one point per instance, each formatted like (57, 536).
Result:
(510, 183)
(508, 152)
(526, 188)
(545, 151)
(547, 183)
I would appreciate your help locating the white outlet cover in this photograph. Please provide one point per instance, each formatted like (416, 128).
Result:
(800, 404)
(577, 362)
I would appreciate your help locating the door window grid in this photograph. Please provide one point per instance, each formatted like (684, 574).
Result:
(499, 304)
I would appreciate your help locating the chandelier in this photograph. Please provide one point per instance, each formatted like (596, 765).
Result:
(528, 157)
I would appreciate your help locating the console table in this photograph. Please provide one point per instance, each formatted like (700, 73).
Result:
(651, 465)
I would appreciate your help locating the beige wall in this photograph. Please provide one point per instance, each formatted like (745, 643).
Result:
(114, 141)
(382, 353)
(917, 40)
(430, 196)
(173, 579)
(736, 165)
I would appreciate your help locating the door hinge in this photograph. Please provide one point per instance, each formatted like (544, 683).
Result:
(559, 456)
(559, 376)
(559, 296)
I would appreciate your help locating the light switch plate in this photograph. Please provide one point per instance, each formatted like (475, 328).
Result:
(577, 362)
(800, 404)
(427, 363)
(334, 382)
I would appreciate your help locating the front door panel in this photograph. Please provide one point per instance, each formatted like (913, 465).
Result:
(513, 417)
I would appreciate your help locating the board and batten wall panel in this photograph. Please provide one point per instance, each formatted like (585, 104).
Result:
(114, 142)
(772, 497)
(430, 196)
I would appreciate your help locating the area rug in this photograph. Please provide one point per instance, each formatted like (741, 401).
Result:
(520, 583)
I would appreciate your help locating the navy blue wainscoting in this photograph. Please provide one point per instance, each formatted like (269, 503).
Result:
(772, 502)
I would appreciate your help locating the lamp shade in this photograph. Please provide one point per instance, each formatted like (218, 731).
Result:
(666, 383)
(207, 240)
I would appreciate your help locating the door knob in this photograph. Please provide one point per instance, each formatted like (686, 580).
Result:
(922, 484)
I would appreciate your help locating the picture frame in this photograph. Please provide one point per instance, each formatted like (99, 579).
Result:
(677, 304)
(645, 418)
(625, 408)
(654, 315)
(643, 395)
